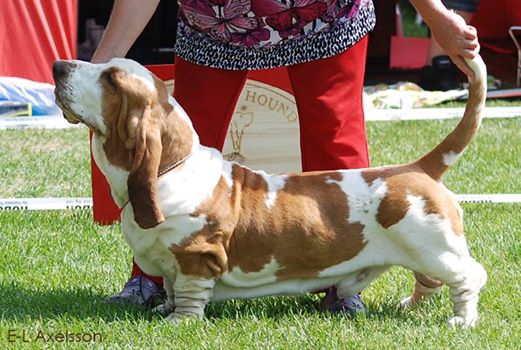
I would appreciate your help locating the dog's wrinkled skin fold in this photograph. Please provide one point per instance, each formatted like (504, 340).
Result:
(216, 230)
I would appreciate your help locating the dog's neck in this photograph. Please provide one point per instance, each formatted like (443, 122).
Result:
(116, 176)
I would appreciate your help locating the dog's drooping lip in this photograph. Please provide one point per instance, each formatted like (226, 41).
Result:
(67, 113)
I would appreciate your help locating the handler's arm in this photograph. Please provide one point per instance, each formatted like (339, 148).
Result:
(127, 20)
(455, 37)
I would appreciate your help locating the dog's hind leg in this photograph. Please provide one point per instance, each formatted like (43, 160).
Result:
(464, 292)
(423, 288)
(463, 275)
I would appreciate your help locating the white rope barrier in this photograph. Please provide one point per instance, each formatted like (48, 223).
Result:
(44, 203)
(436, 113)
(489, 198)
(21, 204)
(58, 122)
(41, 122)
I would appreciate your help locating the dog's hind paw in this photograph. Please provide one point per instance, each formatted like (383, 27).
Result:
(406, 303)
(458, 321)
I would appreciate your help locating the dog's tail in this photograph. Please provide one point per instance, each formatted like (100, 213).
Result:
(436, 162)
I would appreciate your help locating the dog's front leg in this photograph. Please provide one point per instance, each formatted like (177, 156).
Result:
(191, 296)
(169, 305)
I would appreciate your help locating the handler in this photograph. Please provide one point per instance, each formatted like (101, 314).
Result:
(323, 45)
(440, 74)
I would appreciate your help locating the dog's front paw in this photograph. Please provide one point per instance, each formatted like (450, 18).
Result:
(176, 318)
(459, 321)
(164, 309)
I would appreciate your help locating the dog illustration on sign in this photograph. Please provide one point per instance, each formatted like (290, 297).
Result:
(264, 112)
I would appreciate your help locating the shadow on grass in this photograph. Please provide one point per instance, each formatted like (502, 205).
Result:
(426, 311)
(274, 308)
(18, 303)
(280, 308)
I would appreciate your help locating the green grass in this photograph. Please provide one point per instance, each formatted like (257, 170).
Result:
(491, 164)
(44, 163)
(56, 268)
(511, 102)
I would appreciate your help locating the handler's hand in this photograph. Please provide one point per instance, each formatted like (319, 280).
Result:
(456, 38)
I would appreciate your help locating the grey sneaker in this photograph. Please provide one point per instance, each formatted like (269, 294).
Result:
(351, 305)
(138, 290)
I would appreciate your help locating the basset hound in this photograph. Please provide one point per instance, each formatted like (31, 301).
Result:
(217, 230)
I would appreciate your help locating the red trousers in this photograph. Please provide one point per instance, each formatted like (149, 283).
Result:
(328, 93)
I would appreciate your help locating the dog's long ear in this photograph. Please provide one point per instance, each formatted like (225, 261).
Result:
(123, 124)
(126, 122)
(142, 180)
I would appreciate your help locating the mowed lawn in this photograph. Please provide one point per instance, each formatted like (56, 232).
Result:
(57, 267)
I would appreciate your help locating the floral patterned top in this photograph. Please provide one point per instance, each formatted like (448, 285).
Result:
(261, 34)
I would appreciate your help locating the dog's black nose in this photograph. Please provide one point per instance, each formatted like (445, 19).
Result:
(60, 69)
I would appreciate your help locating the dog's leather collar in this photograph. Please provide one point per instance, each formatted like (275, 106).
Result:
(166, 170)
(170, 167)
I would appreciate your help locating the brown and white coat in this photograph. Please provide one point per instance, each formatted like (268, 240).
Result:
(217, 230)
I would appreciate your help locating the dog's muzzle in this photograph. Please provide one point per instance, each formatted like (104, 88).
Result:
(61, 71)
